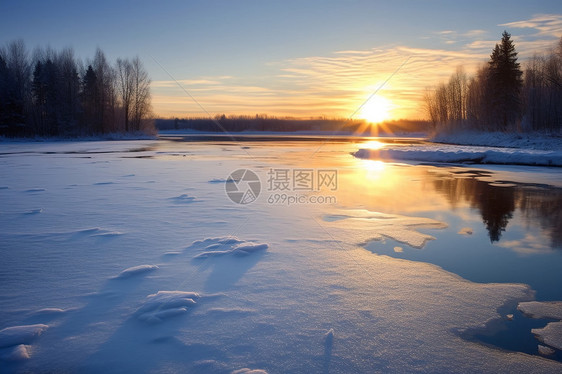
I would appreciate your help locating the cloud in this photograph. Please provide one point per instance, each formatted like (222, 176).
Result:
(544, 24)
(336, 84)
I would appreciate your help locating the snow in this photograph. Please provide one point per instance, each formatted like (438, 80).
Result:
(501, 139)
(464, 154)
(166, 304)
(249, 371)
(545, 351)
(16, 335)
(226, 246)
(136, 270)
(16, 353)
(551, 334)
(476, 148)
(304, 296)
(542, 309)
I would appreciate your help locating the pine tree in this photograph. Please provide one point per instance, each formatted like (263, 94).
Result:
(504, 86)
(89, 101)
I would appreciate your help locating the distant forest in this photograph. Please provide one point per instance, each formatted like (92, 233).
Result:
(51, 93)
(502, 96)
(288, 124)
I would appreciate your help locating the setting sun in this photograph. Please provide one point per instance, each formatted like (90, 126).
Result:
(376, 110)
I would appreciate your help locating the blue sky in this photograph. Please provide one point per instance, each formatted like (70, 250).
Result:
(286, 57)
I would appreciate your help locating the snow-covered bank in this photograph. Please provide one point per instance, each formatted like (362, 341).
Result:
(464, 154)
(536, 141)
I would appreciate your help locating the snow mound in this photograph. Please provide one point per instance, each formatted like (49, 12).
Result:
(98, 232)
(464, 154)
(165, 304)
(542, 309)
(16, 335)
(136, 270)
(17, 353)
(183, 199)
(551, 334)
(248, 371)
(228, 245)
(368, 226)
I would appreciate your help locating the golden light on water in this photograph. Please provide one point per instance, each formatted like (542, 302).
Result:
(372, 144)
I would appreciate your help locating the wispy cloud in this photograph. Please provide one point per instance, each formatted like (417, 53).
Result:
(337, 84)
(544, 24)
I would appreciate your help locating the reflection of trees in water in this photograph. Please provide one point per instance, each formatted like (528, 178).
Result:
(539, 205)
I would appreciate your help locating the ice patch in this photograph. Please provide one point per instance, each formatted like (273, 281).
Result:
(551, 334)
(541, 309)
(166, 304)
(16, 335)
(545, 351)
(17, 353)
(136, 270)
(228, 245)
(367, 226)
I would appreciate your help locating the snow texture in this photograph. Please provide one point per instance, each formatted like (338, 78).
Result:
(137, 270)
(542, 309)
(545, 351)
(166, 304)
(16, 335)
(18, 352)
(551, 334)
(389, 315)
(502, 139)
(228, 245)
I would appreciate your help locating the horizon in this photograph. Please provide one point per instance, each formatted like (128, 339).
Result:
(313, 60)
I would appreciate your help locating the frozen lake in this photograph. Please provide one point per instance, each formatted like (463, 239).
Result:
(156, 256)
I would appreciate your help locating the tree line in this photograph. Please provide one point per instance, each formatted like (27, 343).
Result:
(52, 93)
(501, 96)
(262, 122)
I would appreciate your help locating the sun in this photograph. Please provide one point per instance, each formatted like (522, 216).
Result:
(376, 110)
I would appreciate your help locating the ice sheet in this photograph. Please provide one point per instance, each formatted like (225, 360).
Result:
(314, 300)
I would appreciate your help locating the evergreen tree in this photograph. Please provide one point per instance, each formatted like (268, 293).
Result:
(90, 101)
(504, 85)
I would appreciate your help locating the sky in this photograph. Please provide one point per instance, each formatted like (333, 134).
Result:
(288, 58)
